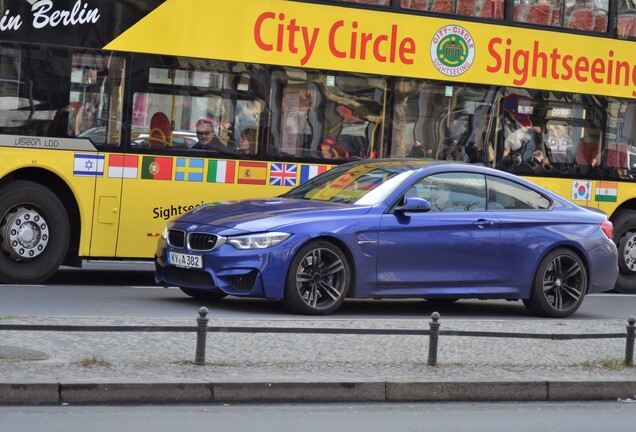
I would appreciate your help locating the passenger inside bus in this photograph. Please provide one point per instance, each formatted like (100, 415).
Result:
(84, 118)
(207, 139)
(539, 161)
(526, 139)
(247, 142)
(160, 136)
(457, 154)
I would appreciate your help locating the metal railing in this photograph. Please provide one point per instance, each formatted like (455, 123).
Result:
(434, 332)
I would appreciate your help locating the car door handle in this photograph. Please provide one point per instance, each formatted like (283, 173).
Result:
(481, 223)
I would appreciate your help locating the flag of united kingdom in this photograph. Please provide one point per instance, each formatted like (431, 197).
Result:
(283, 174)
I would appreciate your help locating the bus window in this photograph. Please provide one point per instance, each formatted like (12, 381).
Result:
(620, 154)
(415, 4)
(580, 15)
(441, 117)
(157, 125)
(328, 116)
(94, 110)
(543, 12)
(34, 92)
(208, 92)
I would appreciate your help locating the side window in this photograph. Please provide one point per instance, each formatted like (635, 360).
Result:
(507, 195)
(439, 121)
(209, 110)
(328, 116)
(452, 192)
(95, 105)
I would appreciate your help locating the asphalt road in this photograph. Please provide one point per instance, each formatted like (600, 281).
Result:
(128, 290)
(363, 417)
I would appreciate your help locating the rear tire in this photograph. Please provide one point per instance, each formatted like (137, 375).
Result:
(559, 285)
(34, 233)
(625, 238)
(317, 280)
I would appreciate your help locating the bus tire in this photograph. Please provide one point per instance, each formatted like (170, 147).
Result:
(625, 238)
(34, 233)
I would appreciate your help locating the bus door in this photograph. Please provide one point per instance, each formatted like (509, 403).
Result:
(95, 105)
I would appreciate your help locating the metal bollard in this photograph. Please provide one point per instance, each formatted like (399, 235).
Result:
(202, 333)
(433, 339)
(629, 345)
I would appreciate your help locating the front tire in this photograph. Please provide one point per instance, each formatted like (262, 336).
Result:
(318, 279)
(560, 285)
(625, 238)
(34, 233)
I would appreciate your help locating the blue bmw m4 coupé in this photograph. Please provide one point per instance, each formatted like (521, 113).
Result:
(394, 229)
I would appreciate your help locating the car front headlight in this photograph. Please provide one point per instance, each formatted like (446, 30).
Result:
(166, 228)
(257, 241)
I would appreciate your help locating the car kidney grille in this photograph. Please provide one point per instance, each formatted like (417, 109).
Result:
(176, 238)
(188, 277)
(201, 241)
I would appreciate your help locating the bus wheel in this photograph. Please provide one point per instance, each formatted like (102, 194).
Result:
(34, 233)
(625, 238)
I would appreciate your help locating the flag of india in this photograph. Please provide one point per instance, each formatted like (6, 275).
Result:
(606, 191)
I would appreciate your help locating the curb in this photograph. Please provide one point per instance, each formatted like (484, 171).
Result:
(311, 392)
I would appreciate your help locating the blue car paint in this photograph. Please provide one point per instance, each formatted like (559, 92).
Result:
(459, 260)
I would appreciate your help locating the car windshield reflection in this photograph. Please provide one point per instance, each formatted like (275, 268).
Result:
(362, 184)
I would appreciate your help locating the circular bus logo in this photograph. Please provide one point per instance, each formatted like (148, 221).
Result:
(452, 50)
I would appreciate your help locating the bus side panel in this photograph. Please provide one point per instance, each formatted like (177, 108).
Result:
(150, 202)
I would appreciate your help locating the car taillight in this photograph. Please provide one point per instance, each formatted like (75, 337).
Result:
(608, 229)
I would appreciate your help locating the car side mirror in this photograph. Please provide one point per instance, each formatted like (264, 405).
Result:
(413, 205)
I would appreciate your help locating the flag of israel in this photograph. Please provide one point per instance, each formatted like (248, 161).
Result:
(89, 164)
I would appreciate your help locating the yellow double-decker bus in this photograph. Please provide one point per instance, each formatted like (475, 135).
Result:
(105, 106)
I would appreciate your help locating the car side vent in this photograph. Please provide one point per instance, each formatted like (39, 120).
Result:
(202, 241)
(176, 238)
(243, 282)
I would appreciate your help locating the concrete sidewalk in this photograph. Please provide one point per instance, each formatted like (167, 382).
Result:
(73, 367)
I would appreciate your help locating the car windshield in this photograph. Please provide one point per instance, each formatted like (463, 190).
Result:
(362, 184)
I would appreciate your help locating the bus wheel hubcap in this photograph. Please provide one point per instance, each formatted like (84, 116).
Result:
(25, 233)
(628, 250)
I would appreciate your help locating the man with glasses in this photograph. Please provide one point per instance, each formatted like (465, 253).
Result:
(207, 139)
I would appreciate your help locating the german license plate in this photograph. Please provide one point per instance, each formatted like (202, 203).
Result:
(185, 260)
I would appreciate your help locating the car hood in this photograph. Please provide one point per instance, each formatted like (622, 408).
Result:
(263, 214)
